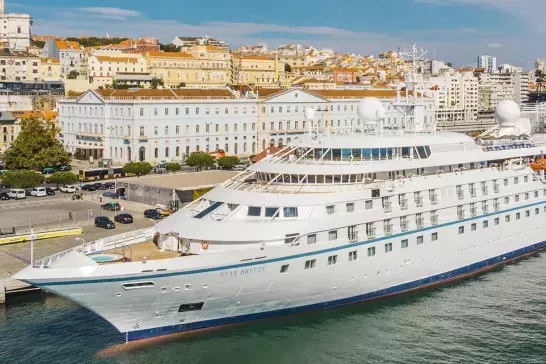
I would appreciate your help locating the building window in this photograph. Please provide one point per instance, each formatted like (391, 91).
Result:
(350, 206)
(497, 221)
(156, 130)
(330, 210)
(155, 111)
(332, 235)
(311, 239)
(388, 247)
(332, 259)
(371, 251)
(284, 268)
(166, 111)
(310, 264)
(505, 181)
(485, 224)
(461, 229)
(141, 111)
(420, 240)
(473, 227)
(156, 153)
(434, 236)
(141, 131)
(290, 211)
(404, 243)
(352, 256)
(166, 130)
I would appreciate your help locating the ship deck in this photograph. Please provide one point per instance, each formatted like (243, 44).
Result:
(144, 251)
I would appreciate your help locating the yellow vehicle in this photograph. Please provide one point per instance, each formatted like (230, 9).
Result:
(164, 210)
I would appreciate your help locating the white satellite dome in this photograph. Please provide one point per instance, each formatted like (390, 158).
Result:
(309, 114)
(507, 113)
(370, 110)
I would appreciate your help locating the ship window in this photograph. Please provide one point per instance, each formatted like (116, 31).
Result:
(516, 180)
(505, 182)
(366, 154)
(290, 211)
(376, 192)
(420, 240)
(346, 154)
(320, 178)
(371, 251)
(518, 215)
(388, 247)
(336, 154)
(507, 218)
(311, 239)
(284, 268)
(526, 179)
(332, 235)
(310, 264)
(497, 220)
(473, 227)
(345, 178)
(434, 236)
(526, 195)
(405, 152)
(330, 210)
(332, 259)
(352, 256)
(350, 206)
(290, 238)
(536, 194)
(254, 211)
(543, 192)
(485, 224)
(190, 307)
(507, 200)
(357, 154)
(404, 243)
(328, 179)
(271, 211)
(536, 211)
(368, 204)
(135, 285)
(461, 229)
(527, 213)
(311, 178)
(516, 198)
(337, 178)
(375, 154)
(421, 152)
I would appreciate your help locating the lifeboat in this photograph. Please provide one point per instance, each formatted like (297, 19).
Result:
(539, 164)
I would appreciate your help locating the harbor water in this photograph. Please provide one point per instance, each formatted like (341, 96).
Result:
(498, 317)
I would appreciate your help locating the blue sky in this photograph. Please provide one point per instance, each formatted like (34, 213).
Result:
(453, 30)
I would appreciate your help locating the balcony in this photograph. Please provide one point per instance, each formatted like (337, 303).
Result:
(419, 222)
(472, 192)
(143, 138)
(434, 220)
(86, 135)
(404, 226)
(404, 204)
(353, 236)
(460, 195)
(419, 201)
(387, 206)
(460, 214)
(496, 188)
(434, 199)
(496, 206)
(473, 211)
(370, 233)
(388, 229)
(485, 191)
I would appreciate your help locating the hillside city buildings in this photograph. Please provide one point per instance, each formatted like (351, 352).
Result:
(488, 63)
(16, 29)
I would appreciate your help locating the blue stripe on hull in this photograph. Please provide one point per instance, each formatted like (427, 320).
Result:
(421, 283)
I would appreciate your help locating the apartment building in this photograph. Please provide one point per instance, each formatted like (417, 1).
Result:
(186, 43)
(456, 99)
(257, 70)
(18, 66)
(153, 125)
(50, 69)
(109, 64)
(69, 53)
(9, 129)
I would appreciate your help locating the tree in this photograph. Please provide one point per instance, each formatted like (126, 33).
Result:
(287, 68)
(228, 162)
(156, 82)
(73, 75)
(23, 179)
(96, 41)
(449, 64)
(169, 47)
(173, 167)
(182, 84)
(36, 147)
(200, 160)
(39, 43)
(138, 168)
(62, 178)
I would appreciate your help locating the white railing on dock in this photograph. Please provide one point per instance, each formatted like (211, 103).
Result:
(99, 245)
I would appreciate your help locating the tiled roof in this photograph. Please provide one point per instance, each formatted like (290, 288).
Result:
(348, 94)
(169, 54)
(117, 59)
(68, 45)
(6, 52)
(268, 151)
(187, 93)
(40, 114)
(266, 92)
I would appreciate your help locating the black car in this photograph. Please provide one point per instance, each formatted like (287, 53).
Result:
(153, 214)
(89, 187)
(100, 186)
(104, 222)
(124, 218)
(109, 184)
(111, 206)
(49, 191)
(65, 168)
(4, 196)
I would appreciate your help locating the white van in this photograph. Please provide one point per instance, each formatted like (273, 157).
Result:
(17, 194)
(38, 192)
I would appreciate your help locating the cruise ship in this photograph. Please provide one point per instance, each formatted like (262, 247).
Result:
(338, 216)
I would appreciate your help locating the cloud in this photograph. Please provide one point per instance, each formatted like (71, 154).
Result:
(110, 13)
(494, 45)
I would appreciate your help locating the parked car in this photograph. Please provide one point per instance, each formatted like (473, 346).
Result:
(153, 214)
(124, 218)
(65, 168)
(4, 196)
(38, 192)
(89, 187)
(110, 184)
(49, 191)
(100, 186)
(104, 222)
(111, 206)
(68, 189)
(48, 170)
(17, 193)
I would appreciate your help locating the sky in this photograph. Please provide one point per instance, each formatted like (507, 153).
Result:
(452, 30)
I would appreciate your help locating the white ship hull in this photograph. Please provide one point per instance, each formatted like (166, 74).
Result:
(235, 291)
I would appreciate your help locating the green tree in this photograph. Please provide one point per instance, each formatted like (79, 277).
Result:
(96, 41)
(200, 160)
(23, 179)
(169, 47)
(228, 162)
(173, 167)
(287, 68)
(449, 64)
(156, 82)
(138, 168)
(36, 147)
(62, 178)
(73, 75)
(182, 84)
(39, 43)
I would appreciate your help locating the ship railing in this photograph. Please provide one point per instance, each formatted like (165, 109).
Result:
(98, 246)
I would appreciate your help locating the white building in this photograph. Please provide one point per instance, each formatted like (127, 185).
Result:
(69, 53)
(16, 30)
(508, 68)
(488, 63)
(153, 125)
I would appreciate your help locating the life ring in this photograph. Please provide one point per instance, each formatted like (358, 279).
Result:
(205, 245)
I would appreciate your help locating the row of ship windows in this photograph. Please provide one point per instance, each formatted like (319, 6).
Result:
(404, 243)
